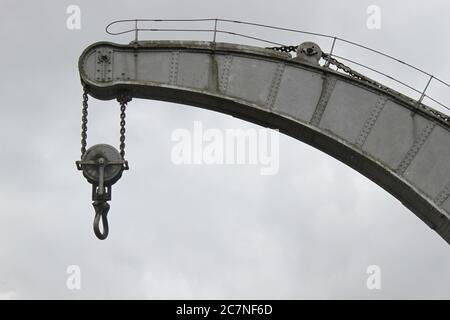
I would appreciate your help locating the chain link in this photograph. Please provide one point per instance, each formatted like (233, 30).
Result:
(123, 100)
(284, 48)
(84, 121)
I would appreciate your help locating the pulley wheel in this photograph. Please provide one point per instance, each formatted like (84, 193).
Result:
(112, 160)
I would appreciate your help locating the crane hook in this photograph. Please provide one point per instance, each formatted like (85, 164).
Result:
(101, 212)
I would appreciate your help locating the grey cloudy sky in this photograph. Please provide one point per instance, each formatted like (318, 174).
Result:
(198, 231)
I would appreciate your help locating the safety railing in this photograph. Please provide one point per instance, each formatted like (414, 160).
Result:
(215, 27)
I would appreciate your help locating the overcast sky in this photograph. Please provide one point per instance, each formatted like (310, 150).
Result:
(186, 231)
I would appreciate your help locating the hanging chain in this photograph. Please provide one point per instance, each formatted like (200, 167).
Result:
(84, 121)
(99, 159)
(123, 100)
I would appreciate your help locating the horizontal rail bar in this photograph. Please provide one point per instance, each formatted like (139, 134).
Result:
(278, 28)
(198, 30)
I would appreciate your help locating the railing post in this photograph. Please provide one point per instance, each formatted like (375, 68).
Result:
(331, 52)
(424, 90)
(135, 30)
(215, 31)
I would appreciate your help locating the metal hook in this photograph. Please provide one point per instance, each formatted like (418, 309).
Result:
(101, 212)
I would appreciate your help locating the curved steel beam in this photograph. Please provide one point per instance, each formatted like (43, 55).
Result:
(400, 145)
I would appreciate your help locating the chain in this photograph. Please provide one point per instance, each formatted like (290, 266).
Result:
(338, 65)
(359, 76)
(123, 100)
(84, 122)
(353, 73)
(284, 48)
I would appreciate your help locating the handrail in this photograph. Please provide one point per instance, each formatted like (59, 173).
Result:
(215, 30)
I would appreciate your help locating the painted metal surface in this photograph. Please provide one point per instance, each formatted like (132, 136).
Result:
(382, 134)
